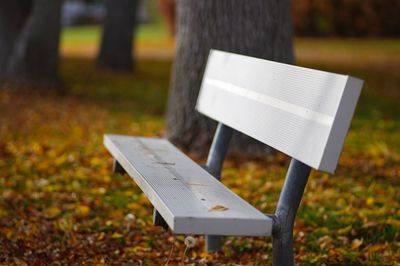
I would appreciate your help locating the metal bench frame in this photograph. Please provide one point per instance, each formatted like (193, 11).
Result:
(289, 200)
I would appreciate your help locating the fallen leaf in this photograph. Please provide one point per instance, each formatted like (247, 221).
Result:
(218, 208)
(134, 206)
(117, 236)
(370, 201)
(345, 230)
(52, 212)
(82, 210)
(356, 243)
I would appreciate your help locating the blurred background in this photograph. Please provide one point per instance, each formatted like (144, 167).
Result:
(72, 70)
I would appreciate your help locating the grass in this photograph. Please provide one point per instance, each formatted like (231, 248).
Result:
(59, 201)
(91, 34)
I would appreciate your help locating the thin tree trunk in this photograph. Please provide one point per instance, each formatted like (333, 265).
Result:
(13, 15)
(35, 56)
(259, 28)
(118, 31)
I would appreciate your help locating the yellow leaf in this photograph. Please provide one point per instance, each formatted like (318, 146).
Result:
(95, 161)
(52, 212)
(206, 255)
(128, 193)
(143, 200)
(106, 179)
(370, 201)
(345, 230)
(376, 248)
(80, 174)
(65, 224)
(36, 148)
(393, 222)
(101, 236)
(60, 160)
(356, 243)
(134, 206)
(117, 236)
(82, 210)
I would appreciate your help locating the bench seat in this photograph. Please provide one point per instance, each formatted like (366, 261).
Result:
(190, 200)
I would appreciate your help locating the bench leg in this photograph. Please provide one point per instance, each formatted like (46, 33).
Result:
(117, 168)
(158, 220)
(214, 243)
(289, 201)
(215, 160)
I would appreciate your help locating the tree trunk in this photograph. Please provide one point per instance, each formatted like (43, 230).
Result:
(259, 28)
(13, 15)
(34, 59)
(118, 31)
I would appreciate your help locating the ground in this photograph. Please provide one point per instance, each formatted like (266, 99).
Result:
(60, 204)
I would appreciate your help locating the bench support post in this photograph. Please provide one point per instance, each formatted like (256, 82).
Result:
(117, 168)
(215, 160)
(158, 220)
(289, 201)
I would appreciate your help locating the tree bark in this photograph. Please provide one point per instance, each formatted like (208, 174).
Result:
(34, 59)
(118, 31)
(13, 15)
(259, 28)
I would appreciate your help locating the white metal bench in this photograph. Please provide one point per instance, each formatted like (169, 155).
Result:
(301, 112)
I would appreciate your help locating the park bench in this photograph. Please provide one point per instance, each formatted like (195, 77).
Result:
(301, 112)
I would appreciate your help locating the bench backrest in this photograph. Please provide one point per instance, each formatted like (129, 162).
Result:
(304, 113)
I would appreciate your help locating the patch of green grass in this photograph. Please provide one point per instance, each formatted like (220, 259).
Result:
(117, 200)
(81, 35)
(149, 32)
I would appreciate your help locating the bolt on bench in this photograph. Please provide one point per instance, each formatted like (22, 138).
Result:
(301, 112)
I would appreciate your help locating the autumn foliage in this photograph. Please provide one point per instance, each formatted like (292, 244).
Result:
(61, 205)
(346, 18)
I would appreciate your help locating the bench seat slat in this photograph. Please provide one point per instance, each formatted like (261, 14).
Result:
(190, 200)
